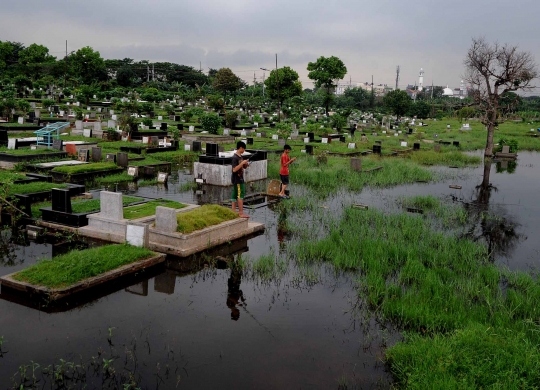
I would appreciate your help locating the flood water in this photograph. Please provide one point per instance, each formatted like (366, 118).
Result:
(187, 325)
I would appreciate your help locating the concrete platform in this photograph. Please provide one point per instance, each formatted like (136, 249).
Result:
(220, 175)
(55, 164)
(183, 245)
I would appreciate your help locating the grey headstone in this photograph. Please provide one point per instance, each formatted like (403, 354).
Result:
(437, 148)
(356, 164)
(166, 219)
(122, 159)
(96, 154)
(110, 157)
(133, 171)
(12, 143)
(111, 205)
(506, 149)
(162, 177)
(87, 133)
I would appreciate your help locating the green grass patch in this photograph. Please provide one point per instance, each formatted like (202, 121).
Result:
(146, 161)
(203, 217)
(336, 173)
(26, 151)
(149, 208)
(84, 168)
(10, 176)
(30, 188)
(117, 178)
(468, 324)
(450, 158)
(82, 206)
(77, 265)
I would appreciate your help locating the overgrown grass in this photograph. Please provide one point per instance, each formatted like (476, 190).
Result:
(77, 265)
(450, 158)
(146, 161)
(30, 188)
(203, 217)
(464, 329)
(336, 173)
(117, 178)
(83, 168)
(149, 208)
(10, 176)
(25, 151)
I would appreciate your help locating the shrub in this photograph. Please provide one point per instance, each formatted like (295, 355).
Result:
(230, 118)
(211, 123)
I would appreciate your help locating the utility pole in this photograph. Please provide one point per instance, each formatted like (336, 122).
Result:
(147, 72)
(263, 69)
(279, 100)
(153, 73)
(254, 81)
(432, 89)
(397, 77)
(372, 100)
(65, 67)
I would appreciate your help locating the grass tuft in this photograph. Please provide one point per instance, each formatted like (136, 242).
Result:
(203, 217)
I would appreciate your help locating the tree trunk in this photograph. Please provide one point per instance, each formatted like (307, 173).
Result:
(492, 117)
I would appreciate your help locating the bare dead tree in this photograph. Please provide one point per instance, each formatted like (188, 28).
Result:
(494, 70)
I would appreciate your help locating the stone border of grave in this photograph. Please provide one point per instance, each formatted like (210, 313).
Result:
(56, 294)
(60, 177)
(108, 228)
(182, 245)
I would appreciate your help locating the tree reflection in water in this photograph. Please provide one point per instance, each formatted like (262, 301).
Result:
(490, 224)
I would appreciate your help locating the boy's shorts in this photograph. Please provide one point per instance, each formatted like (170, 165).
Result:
(238, 192)
(284, 179)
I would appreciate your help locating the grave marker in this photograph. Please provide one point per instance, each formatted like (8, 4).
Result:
(166, 219)
(12, 143)
(137, 234)
(87, 133)
(352, 146)
(71, 149)
(122, 159)
(162, 177)
(61, 201)
(356, 164)
(110, 157)
(83, 155)
(111, 205)
(96, 154)
(133, 171)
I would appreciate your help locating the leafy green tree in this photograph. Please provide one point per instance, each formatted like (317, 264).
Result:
(283, 84)
(88, 65)
(338, 121)
(216, 102)
(325, 72)
(397, 101)
(421, 109)
(86, 92)
(225, 81)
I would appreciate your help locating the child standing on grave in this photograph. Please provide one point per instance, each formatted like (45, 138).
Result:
(237, 179)
(284, 171)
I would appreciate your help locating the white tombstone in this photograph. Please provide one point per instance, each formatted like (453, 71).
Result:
(11, 143)
(352, 145)
(166, 219)
(225, 131)
(384, 131)
(404, 143)
(243, 133)
(306, 140)
(61, 112)
(187, 147)
(256, 124)
(258, 135)
(396, 134)
(87, 133)
(163, 176)
(133, 171)
(324, 140)
(145, 140)
(111, 123)
(114, 117)
(137, 234)
(20, 120)
(275, 136)
(160, 118)
(191, 128)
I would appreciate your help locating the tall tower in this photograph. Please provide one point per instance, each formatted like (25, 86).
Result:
(421, 80)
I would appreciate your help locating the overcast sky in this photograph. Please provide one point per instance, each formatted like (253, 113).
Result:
(372, 37)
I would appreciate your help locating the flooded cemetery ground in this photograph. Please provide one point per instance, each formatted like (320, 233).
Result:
(256, 312)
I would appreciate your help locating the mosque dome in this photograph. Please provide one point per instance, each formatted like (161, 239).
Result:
(448, 91)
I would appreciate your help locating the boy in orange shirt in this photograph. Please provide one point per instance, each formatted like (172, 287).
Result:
(284, 171)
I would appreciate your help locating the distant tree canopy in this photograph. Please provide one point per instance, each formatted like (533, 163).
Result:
(226, 82)
(398, 102)
(326, 71)
(283, 84)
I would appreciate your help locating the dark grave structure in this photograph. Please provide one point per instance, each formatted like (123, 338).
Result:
(84, 155)
(455, 143)
(250, 141)
(96, 154)
(212, 149)
(197, 146)
(110, 157)
(377, 149)
(163, 126)
(3, 137)
(122, 159)
(416, 146)
(311, 137)
(61, 200)
(309, 149)
(58, 144)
